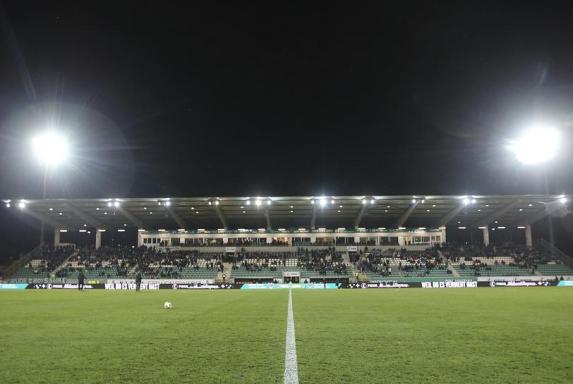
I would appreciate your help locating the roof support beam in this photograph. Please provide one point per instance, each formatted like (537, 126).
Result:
(175, 217)
(42, 218)
(268, 218)
(134, 220)
(404, 217)
(313, 218)
(497, 214)
(84, 216)
(548, 210)
(221, 216)
(449, 216)
(360, 214)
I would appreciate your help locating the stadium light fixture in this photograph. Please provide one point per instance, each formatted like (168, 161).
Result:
(538, 144)
(22, 204)
(116, 204)
(563, 200)
(50, 148)
(258, 202)
(322, 201)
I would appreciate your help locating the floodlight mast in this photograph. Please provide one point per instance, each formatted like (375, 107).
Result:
(50, 149)
(538, 145)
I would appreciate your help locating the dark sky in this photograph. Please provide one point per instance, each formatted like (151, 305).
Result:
(283, 98)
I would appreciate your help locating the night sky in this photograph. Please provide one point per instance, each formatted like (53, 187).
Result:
(282, 98)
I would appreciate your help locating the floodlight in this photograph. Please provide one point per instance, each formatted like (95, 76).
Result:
(538, 144)
(467, 201)
(258, 203)
(50, 148)
(563, 200)
(322, 202)
(21, 205)
(116, 204)
(168, 203)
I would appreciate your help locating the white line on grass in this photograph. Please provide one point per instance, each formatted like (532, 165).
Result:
(291, 366)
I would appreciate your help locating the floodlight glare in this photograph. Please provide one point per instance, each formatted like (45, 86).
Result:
(538, 145)
(563, 200)
(50, 148)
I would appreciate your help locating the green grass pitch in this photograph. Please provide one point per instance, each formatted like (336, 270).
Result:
(502, 335)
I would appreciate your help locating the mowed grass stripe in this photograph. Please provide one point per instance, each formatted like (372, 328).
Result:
(505, 335)
(127, 337)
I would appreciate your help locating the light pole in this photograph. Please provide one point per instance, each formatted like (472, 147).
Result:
(537, 146)
(50, 149)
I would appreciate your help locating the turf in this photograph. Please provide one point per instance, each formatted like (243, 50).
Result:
(127, 337)
(505, 335)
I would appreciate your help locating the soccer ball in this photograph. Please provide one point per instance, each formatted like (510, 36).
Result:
(167, 305)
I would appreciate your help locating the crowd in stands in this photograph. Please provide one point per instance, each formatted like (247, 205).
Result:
(381, 262)
(50, 258)
(123, 261)
(322, 261)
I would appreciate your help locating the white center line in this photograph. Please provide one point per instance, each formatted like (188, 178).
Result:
(291, 366)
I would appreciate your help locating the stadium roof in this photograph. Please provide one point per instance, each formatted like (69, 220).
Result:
(293, 212)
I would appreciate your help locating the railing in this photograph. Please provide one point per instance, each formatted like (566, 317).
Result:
(290, 231)
(555, 251)
(34, 253)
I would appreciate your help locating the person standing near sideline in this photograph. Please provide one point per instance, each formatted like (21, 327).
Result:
(138, 281)
(81, 279)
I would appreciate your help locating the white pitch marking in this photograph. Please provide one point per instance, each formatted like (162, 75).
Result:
(291, 365)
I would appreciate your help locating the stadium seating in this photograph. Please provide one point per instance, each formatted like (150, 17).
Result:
(41, 268)
(447, 261)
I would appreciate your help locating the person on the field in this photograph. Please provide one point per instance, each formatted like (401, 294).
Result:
(138, 281)
(81, 278)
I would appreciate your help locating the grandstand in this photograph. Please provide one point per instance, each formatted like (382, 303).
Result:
(297, 239)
